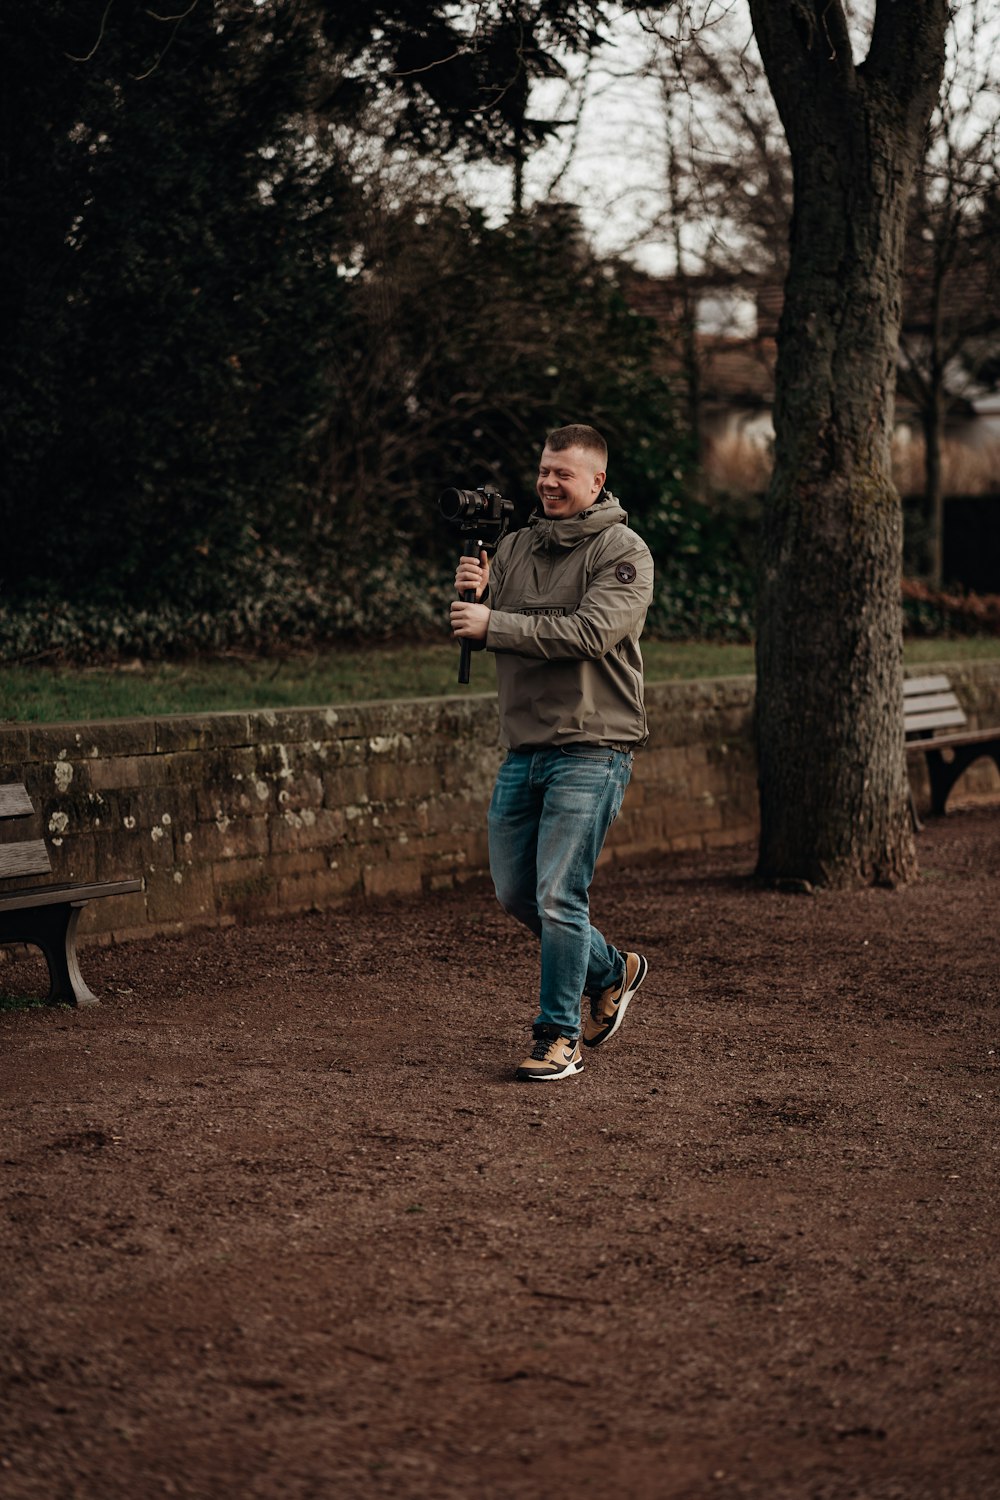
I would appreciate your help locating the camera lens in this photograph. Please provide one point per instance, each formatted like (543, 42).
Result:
(458, 504)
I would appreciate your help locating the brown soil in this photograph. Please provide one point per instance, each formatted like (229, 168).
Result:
(279, 1224)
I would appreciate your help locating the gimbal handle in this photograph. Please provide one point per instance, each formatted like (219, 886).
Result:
(471, 547)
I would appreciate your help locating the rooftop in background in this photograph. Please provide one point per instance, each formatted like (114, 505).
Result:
(736, 321)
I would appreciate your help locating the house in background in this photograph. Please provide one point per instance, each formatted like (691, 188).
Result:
(721, 353)
(720, 350)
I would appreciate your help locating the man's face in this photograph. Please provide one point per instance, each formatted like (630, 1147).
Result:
(568, 481)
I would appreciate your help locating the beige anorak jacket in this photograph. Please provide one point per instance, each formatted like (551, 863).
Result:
(568, 599)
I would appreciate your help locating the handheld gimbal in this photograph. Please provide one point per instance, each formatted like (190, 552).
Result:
(483, 516)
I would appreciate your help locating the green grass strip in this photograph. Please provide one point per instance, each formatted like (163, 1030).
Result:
(48, 695)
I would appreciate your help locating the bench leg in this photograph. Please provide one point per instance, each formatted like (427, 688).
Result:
(67, 985)
(944, 773)
(53, 930)
(918, 827)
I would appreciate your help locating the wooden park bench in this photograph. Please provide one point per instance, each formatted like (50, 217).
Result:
(936, 727)
(46, 915)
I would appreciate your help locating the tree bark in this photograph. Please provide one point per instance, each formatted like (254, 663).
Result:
(833, 787)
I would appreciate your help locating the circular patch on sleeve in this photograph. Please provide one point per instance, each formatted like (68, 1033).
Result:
(625, 573)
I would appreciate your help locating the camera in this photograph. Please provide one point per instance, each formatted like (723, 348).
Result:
(484, 511)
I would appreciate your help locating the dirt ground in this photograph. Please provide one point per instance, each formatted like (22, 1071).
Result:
(279, 1224)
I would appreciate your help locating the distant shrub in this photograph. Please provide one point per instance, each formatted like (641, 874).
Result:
(271, 606)
(929, 612)
(701, 607)
(705, 569)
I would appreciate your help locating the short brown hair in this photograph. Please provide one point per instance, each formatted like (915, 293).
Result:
(577, 435)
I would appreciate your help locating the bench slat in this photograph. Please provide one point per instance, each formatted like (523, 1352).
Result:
(930, 705)
(14, 801)
(933, 702)
(28, 858)
(988, 737)
(58, 895)
(920, 723)
(917, 685)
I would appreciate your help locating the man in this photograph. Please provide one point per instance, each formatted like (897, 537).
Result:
(562, 606)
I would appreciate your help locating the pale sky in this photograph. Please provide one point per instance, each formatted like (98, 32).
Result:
(615, 172)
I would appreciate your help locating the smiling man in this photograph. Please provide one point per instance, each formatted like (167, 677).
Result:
(562, 606)
(571, 479)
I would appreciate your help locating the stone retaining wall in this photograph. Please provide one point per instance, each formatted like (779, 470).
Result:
(231, 816)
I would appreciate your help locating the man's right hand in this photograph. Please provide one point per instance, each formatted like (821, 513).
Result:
(473, 574)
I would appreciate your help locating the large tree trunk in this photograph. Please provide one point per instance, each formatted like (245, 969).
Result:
(833, 787)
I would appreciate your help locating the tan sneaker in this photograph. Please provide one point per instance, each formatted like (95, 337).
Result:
(551, 1058)
(608, 1011)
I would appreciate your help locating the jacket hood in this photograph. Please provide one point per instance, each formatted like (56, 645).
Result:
(557, 535)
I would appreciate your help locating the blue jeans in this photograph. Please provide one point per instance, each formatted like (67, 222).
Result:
(549, 816)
